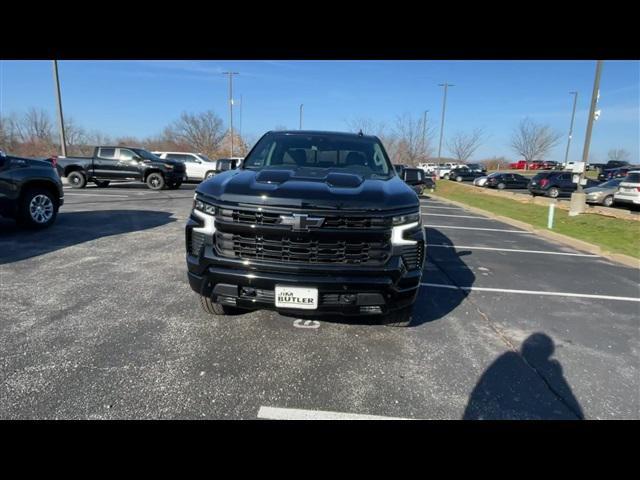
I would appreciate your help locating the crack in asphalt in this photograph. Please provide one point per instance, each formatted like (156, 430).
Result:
(505, 339)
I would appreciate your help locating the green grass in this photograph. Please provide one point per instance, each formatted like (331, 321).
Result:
(613, 234)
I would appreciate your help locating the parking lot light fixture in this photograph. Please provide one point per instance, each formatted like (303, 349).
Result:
(444, 108)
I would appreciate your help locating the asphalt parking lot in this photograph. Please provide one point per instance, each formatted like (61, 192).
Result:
(98, 322)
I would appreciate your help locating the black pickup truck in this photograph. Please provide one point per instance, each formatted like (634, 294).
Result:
(30, 191)
(311, 222)
(110, 164)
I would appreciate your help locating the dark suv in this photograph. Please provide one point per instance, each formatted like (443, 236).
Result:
(312, 222)
(553, 184)
(30, 191)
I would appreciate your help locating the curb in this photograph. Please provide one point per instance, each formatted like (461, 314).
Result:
(549, 235)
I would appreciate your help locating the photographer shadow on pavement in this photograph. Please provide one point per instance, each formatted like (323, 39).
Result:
(73, 228)
(524, 385)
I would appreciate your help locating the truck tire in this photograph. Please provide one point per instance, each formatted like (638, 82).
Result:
(399, 318)
(77, 179)
(155, 181)
(38, 208)
(213, 308)
(102, 183)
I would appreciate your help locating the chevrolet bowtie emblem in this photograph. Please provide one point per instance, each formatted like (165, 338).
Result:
(301, 222)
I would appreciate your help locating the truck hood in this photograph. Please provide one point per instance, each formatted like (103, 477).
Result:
(290, 188)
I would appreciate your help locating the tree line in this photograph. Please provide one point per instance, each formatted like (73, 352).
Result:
(408, 140)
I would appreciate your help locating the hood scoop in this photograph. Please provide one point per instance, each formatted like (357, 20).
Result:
(344, 180)
(274, 176)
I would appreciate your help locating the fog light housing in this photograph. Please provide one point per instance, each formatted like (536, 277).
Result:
(370, 309)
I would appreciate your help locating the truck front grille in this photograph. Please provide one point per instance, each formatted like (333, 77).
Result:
(249, 217)
(291, 249)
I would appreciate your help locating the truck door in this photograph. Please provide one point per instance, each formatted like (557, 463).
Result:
(128, 164)
(104, 163)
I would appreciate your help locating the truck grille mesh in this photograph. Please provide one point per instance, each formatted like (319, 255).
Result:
(282, 248)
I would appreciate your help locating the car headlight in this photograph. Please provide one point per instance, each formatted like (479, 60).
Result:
(204, 207)
(403, 224)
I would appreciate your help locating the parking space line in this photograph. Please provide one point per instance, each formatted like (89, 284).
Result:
(513, 250)
(96, 195)
(275, 413)
(531, 292)
(478, 228)
(455, 216)
(446, 208)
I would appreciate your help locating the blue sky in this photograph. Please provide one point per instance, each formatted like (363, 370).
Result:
(139, 98)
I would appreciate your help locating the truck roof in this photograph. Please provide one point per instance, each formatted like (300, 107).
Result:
(321, 132)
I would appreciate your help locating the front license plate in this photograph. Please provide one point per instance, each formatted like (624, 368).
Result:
(296, 297)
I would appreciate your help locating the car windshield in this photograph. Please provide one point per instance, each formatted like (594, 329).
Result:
(145, 154)
(363, 156)
(611, 183)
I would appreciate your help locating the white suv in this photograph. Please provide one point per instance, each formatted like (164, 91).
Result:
(629, 189)
(428, 167)
(198, 165)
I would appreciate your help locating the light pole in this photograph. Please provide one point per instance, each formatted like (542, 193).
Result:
(573, 115)
(444, 108)
(240, 126)
(424, 131)
(231, 74)
(63, 140)
(301, 105)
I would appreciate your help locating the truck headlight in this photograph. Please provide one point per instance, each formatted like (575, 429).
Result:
(168, 166)
(403, 224)
(204, 207)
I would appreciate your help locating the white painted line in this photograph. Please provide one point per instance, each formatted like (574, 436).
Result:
(531, 292)
(476, 228)
(96, 195)
(447, 208)
(456, 216)
(275, 413)
(433, 245)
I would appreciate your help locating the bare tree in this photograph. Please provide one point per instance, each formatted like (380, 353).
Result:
(463, 145)
(532, 140)
(35, 126)
(413, 140)
(201, 132)
(618, 154)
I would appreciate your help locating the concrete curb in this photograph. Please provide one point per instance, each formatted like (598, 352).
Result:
(549, 235)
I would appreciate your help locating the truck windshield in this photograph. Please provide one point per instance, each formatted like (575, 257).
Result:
(146, 155)
(359, 155)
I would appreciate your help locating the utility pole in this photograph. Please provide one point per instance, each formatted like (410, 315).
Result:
(63, 140)
(595, 96)
(231, 74)
(573, 115)
(444, 108)
(578, 198)
(424, 131)
(301, 105)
